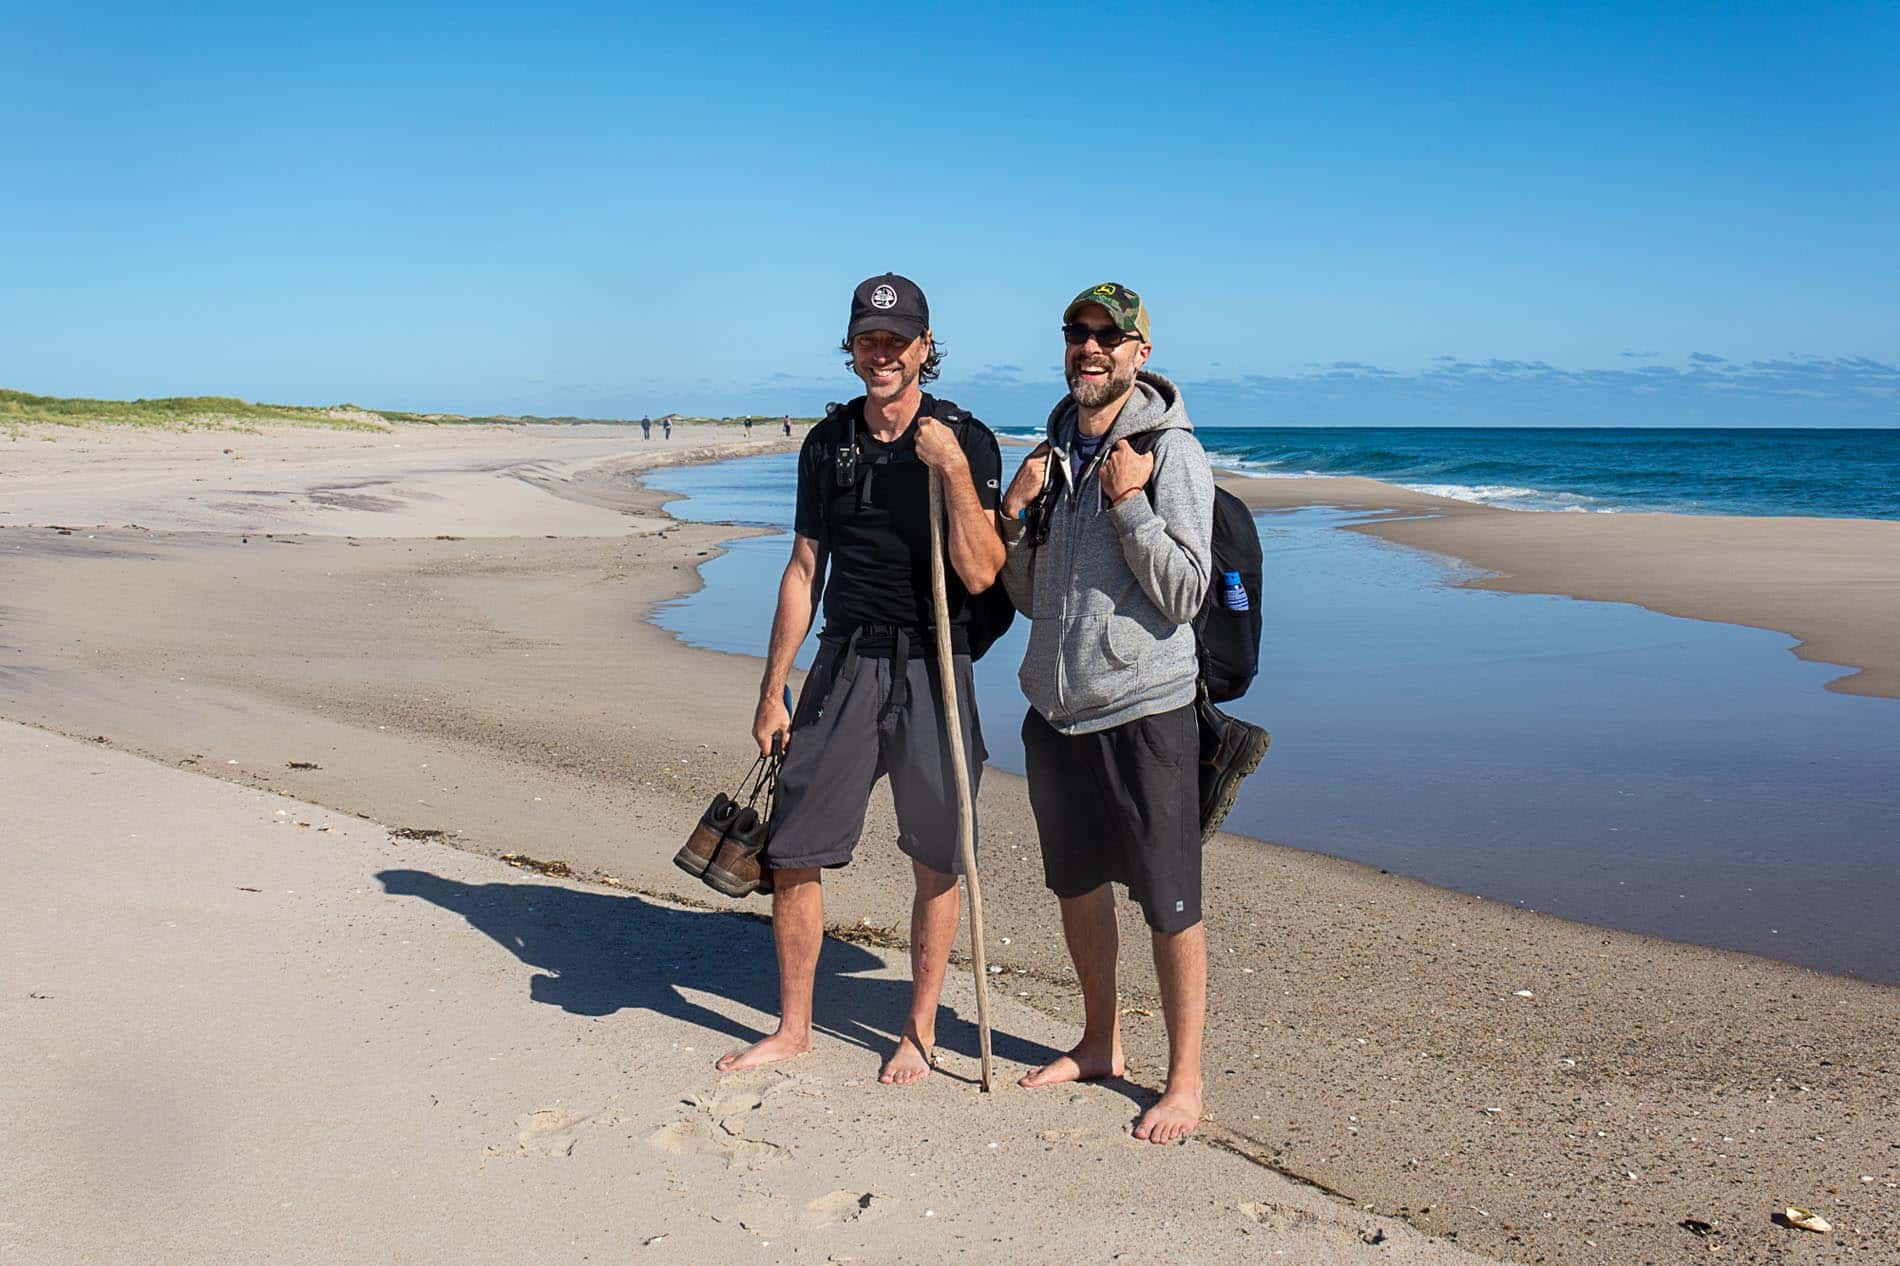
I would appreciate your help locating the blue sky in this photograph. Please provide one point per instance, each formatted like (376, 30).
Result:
(1646, 215)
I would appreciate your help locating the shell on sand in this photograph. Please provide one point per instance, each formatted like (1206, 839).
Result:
(1806, 1220)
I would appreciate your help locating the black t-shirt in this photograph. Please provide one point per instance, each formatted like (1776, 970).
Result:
(877, 534)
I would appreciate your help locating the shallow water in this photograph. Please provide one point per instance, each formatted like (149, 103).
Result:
(1681, 778)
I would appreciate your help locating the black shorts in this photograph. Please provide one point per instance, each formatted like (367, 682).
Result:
(1121, 805)
(859, 719)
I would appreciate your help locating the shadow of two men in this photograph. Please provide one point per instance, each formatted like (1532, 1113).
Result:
(601, 952)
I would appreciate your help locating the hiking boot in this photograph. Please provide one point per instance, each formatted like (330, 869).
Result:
(707, 834)
(738, 869)
(1230, 750)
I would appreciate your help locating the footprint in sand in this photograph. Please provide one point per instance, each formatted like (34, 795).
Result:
(837, 1208)
(545, 1132)
(730, 1103)
(1276, 1217)
(707, 1138)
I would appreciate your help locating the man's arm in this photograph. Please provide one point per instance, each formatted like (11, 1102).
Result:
(1169, 545)
(1019, 565)
(976, 551)
(798, 591)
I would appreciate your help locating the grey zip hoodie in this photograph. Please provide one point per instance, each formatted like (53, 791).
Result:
(1111, 593)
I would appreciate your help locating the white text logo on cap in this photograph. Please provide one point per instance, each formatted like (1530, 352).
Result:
(883, 297)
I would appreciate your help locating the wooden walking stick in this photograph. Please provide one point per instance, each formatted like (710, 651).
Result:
(966, 811)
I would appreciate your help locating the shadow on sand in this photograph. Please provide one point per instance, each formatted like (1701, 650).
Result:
(600, 952)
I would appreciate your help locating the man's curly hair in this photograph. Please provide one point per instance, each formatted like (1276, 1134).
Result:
(933, 363)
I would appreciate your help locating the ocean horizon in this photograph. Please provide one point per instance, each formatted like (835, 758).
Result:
(1825, 472)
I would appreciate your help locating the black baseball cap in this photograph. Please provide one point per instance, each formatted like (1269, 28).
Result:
(888, 302)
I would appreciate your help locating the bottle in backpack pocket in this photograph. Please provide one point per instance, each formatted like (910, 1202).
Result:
(1233, 594)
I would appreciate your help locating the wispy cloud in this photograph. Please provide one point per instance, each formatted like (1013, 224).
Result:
(1709, 390)
(998, 375)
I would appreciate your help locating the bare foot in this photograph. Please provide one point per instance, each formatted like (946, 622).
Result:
(911, 1061)
(781, 1045)
(1172, 1119)
(1081, 1064)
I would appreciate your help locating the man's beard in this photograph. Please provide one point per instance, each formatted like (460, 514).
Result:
(1093, 394)
(905, 377)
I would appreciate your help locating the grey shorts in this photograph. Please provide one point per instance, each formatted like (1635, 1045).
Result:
(851, 728)
(1121, 805)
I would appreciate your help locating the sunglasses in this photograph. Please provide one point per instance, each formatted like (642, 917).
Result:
(1107, 337)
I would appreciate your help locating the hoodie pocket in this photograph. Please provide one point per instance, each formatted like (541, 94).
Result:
(1099, 665)
(1124, 640)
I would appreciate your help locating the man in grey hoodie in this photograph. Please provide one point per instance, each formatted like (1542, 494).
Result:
(1109, 552)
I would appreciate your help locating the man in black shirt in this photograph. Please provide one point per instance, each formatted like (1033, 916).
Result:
(872, 703)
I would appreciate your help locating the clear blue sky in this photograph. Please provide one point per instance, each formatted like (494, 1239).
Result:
(1394, 214)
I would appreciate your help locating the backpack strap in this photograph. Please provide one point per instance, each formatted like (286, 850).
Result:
(1144, 443)
(839, 470)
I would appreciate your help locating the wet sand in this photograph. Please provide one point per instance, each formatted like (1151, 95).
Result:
(1541, 1090)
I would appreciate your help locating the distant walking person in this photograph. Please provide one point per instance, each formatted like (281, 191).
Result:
(646, 428)
(666, 425)
(1111, 575)
(748, 427)
(788, 426)
(873, 701)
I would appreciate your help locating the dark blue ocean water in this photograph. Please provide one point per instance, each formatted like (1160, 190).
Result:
(1827, 473)
(1595, 760)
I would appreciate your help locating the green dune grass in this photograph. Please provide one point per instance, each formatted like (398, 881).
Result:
(19, 409)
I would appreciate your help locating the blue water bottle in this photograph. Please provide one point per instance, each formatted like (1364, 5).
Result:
(1233, 594)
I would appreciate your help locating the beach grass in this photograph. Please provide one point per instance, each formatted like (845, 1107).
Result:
(19, 410)
(225, 413)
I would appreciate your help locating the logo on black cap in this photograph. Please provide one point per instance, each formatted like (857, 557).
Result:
(883, 297)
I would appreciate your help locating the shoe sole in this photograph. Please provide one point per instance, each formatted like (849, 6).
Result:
(692, 863)
(1227, 790)
(727, 884)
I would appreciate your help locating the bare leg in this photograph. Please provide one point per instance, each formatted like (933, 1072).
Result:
(1181, 965)
(1088, 924)
(934, 910)
(798, 930)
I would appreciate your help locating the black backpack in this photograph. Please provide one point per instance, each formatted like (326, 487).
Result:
(1229, 641)
(991, 612)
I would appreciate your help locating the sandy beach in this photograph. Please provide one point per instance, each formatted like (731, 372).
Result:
(450, 639)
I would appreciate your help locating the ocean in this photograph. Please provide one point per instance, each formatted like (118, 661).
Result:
(1825, 473)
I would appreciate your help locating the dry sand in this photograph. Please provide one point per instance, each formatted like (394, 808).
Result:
(243, 1029)
(1369, 1036)
(1833, 584)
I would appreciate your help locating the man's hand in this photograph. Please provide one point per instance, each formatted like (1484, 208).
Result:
(772, 721)
(1126, 472)
(937, 447)
(1027, 485)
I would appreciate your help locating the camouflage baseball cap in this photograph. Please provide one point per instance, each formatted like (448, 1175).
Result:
(1121, 303)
